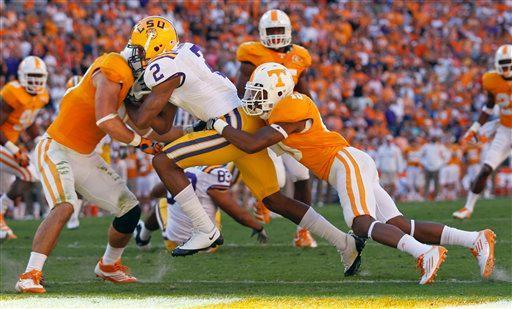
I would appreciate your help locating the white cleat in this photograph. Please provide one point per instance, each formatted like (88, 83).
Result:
(483, 250)
(429, 263)
(73, 223)
(198, 242)
(462, 214)
(351, 256)
(30, 282)
(117, 272)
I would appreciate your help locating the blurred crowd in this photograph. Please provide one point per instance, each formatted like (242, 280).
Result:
(393, 77)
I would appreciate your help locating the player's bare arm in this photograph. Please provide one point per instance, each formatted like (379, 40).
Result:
(472, 133)
(264, 137)
(246, 69)
(153, 105)
(106, 95)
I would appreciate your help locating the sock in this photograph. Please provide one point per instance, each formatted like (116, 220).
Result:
(318, 225)
(112, 255)
(453, 236)
(410, 245)
(189, 203)
(5, 203)
(145, 233)
(36, 261)
(471, 201)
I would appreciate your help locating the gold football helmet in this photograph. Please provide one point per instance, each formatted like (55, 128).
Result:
(150, 37)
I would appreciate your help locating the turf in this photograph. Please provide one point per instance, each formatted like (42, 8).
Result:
(243, 268)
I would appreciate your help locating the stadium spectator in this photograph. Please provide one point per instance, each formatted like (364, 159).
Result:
(390, 163)
(433, 156)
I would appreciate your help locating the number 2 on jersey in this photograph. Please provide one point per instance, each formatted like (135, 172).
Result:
(155, 69)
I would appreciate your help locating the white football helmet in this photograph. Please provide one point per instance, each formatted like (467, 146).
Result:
(503, 60)
(269, 83)
(32, 74)
(275, 19)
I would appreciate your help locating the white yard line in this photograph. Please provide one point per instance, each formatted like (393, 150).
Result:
(492, 305)
(109, 302)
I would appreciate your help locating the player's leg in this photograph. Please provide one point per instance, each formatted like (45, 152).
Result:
(299, 175)
(258, 173)
(59, 188)
(499, 151)
(353, 174)
(144, 229)
(100, 184)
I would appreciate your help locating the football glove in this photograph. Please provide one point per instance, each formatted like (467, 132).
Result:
(150, 147)
(195, 127)
(472, 134)
(22, 158)
(261, 235)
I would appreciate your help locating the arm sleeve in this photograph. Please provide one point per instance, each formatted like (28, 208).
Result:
(290, 110)
(8, 94)
(161, 70)
(116, 69)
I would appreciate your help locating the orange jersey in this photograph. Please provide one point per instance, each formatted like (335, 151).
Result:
(473, 155)
(502, 91)
(413, 155)
(297, 59)
(317, 147)
(25, 107)
(131, 163)
(75, 125)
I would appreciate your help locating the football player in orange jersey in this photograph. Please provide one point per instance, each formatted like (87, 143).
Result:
(498, 85)
(20, 101)
(294, 126)
(68, 164)
(275, 45)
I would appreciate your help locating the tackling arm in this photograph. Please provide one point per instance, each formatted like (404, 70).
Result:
(154, 104)
(246, 69)
(261, 139)
(107, 118)
(471, 134)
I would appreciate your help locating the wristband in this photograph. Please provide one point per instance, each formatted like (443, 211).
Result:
(475, 126)
(280, 130)
(148, 133)
(487, 110)
(136, 140)
(106, 118)
(219, 125)
(12, 148)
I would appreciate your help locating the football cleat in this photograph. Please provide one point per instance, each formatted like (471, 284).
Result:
(352, 258)
(30, 282)
(462, 213)
(483, 250)
(116, 272)
(198, 242)
(261, 213)
(304, 239)
(429, 263)
(143, 245)
(5, 230)
(73, 223)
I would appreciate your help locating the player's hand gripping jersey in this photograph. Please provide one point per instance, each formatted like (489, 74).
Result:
(296, 58)
(316, 147)
(75, 126)
(502, 91)
(202, 92)
(25, 107)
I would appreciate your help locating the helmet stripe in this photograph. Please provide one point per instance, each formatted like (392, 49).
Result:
(273, 15)
(37, 63)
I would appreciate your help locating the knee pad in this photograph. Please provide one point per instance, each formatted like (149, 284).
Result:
(126, 223)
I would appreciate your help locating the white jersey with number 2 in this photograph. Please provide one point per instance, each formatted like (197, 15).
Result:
(202, 92)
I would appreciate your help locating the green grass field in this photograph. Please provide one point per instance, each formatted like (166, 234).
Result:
(243, 273)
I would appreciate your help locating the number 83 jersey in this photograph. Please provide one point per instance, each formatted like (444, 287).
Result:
(203, 92)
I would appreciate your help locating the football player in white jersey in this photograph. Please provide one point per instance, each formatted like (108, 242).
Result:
(179, 76)
(211, 184)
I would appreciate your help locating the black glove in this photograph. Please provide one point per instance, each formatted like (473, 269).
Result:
(262, 236)
(197, 126)
(210, 123)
